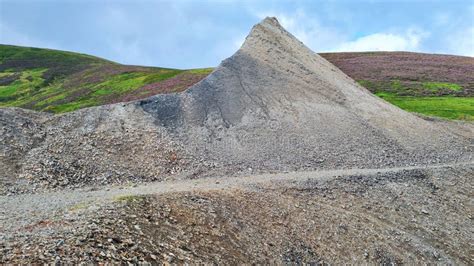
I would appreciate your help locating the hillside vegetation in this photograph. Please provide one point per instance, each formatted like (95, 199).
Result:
(58, 81)
(435, 85)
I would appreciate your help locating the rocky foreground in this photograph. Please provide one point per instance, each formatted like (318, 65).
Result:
(389, 216)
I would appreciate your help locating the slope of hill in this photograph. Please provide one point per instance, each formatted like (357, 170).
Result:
(58, 81)
(439, 85)
(273, 105)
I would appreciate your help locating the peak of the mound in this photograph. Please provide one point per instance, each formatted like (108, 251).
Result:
(275, 77)
(271, 20)
(267, 25)
(270, 34)
(271, 71)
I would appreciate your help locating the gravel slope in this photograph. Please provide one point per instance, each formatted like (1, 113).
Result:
(274, 105)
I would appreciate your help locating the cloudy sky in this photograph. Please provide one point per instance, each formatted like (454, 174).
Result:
(191, 34)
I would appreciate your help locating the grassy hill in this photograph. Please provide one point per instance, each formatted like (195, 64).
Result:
(436, 85)
(59, 81)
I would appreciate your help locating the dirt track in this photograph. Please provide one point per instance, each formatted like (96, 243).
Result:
(26, 207)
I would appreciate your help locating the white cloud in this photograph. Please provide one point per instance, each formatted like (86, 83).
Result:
(408, 41)
(461, 42)
(321, 38)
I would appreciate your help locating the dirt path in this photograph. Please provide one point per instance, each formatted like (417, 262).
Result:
(20, 210)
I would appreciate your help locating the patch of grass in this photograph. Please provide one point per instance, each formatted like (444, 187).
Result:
(442, 106)
(28, 82)
(7, 91)
(6, 74)
(127, 82)
(50, 99)
(397, 85)
(385, 95)
(161, 75)
(200, 70)
(71, 106)
(436, 86)
(118, 84)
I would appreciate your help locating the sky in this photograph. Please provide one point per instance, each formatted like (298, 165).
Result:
(192, 34)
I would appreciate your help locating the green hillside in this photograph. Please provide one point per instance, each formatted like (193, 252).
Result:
(58, 81)
(442, 99)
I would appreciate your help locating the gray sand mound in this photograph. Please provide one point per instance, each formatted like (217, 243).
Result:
(273, 106)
